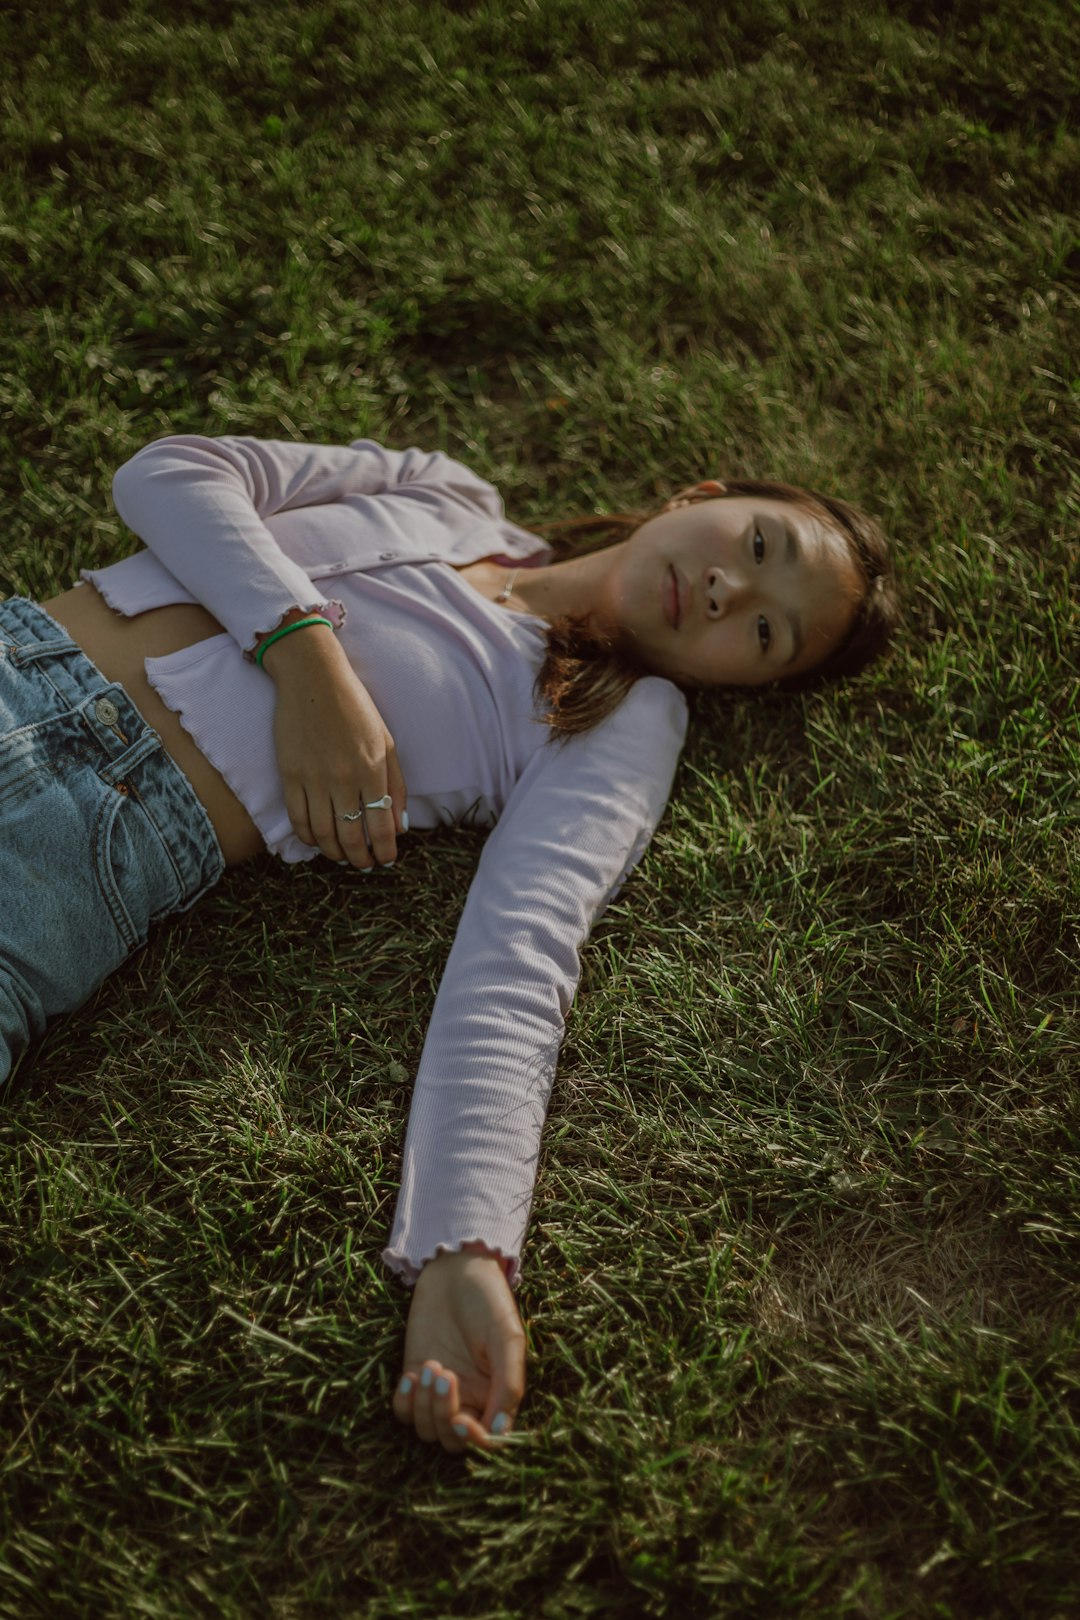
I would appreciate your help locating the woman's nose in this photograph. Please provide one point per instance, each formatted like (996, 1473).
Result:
(722, 592)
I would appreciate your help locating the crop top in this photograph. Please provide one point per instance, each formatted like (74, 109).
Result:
(373, 538)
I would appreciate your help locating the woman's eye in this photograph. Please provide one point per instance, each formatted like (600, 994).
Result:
(764, 633)
(759, 546)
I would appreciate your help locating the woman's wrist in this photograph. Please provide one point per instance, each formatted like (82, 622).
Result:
(467, 1250)
(302, 645)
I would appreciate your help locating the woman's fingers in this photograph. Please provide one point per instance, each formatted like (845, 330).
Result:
(434, 1406)
(426, 1399)
(373, 839)
(507, 1389)
(313, 821)
(384, 805)
(331, 836)
(345, 767)
(395, 786)
(381, 827)
(360, 822)
(432, 1409)
(297, 807)
(353, 838)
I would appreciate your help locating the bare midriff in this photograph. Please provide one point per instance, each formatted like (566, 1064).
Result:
(118, 646)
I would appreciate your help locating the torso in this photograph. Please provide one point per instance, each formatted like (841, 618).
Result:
(119, 646)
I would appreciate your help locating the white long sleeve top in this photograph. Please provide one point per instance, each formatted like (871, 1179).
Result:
(373, 538)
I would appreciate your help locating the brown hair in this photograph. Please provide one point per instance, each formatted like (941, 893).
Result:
(585, 676)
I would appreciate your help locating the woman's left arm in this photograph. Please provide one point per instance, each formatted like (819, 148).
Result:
(204, 506)
(578, 819)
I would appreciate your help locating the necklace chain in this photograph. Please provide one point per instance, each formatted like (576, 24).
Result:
(507, 589)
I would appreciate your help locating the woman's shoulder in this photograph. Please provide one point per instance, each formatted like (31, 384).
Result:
(654, 702)
(644, 734)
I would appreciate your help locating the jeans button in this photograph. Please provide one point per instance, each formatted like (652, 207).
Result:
(106, 711)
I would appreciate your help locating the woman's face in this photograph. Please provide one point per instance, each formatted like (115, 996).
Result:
(734, 590)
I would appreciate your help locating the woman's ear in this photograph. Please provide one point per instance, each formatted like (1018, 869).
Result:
(697, 492)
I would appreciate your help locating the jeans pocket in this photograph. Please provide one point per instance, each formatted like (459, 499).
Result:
(22, 769)
(126, 864)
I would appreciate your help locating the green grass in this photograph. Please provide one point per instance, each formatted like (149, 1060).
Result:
(800, 1283)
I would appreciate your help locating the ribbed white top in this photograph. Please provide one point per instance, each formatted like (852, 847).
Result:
(253, 528)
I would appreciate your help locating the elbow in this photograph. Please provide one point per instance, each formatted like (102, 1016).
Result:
(123, 486)
(131, 473)
(177, 454)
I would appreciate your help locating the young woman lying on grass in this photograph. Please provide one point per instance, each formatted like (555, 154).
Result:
(324, 645)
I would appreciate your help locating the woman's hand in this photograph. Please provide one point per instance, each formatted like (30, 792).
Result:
(333, 751)
(465, 1327)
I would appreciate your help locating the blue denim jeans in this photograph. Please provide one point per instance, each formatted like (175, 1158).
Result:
(101, 834)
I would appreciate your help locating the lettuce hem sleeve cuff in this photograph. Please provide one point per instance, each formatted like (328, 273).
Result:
(409, 1270)
(330, 608)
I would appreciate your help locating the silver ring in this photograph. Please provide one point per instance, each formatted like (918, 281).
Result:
(355, 815)
(385, 803)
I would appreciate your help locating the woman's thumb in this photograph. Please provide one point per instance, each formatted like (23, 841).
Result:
(507, 1390)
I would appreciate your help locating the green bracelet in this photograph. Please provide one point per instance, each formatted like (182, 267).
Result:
(316, 618)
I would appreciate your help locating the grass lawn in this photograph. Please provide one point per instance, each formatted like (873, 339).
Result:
(801, 1277)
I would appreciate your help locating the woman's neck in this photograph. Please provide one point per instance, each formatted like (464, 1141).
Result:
(574, 587)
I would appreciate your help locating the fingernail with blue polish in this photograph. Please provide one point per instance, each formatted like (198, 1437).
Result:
(460, 1428)
(425, 1378)
(404, 821)
(442, 1385)
(405, 1386)
(500, 1422)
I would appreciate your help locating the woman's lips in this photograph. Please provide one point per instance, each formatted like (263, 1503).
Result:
(675, 596)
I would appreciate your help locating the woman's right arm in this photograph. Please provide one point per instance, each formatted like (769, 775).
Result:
(201, 506)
